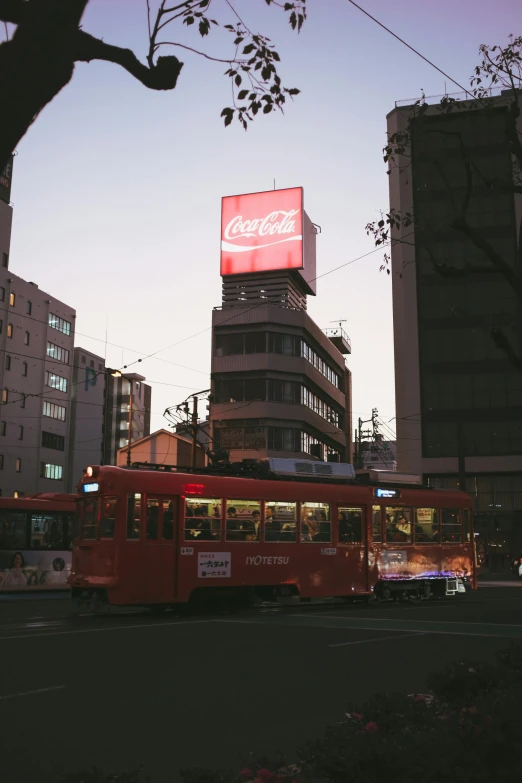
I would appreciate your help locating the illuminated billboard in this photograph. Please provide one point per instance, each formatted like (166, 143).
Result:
(262, 232)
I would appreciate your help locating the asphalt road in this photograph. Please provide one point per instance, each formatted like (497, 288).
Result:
(174, 691)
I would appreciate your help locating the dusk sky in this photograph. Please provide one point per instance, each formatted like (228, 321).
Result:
(117, 189)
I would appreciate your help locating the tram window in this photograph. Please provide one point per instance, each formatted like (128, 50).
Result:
(68, 521)
(377, 524)
(243, 520)
(152, 519)
(168, 520)
(426, 526)
(280, 521)
(451, 531)
(202, 519)
(108, 517)
(13, 533)
(133, 516)
(46, 531)
(466, 524)
(315, 523)
(89, 518)
(350, 525)
(398, 525)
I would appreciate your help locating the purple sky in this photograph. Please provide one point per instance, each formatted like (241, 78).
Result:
(117, 188)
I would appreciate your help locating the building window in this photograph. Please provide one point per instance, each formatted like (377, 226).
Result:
(29, 308)
(52, 441)
(5, 260)
(49, 471)
(22, 401)
(27, 338)
(2, 294)
(3, 428)
(1, 461)
(55, 381)
(1, 325)
(57, 353)
(18, 465)
(55, 322)
(92, 363)
(24, 368)
(12, 298)
(7, 362)
(83, 359)
(9, 330)
(20, 433)
(54, 411)
(5, 396)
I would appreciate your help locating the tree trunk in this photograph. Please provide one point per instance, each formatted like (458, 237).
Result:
(35, 65)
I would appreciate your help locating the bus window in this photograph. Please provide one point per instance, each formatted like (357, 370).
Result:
(46, 531)
(203, 519)
(398, 525)
(451, 526)
(13, 529)
(68, 521)
(426, 526)
(280, 521)
(152, 519)
(350, 525)
(89, 518)
(466, 524)
(377, 524)
(133, 516)
(243, 520)
(315, 522)
(168, 520)
(108, 517)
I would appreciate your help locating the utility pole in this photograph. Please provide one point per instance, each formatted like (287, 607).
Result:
(361, 434)
(194, 431)
(130, 427)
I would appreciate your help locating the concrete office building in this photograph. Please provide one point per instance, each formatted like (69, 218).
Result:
(458, 395)
(36, 345)
(88, 392)
(125, 414)
(280, 385)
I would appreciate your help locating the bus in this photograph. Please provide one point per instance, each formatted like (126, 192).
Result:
(36, 542)
(158, 538)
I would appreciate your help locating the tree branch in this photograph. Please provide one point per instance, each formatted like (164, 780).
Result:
(503, 344)
(514, 279)
(196, 51)
(162, 76)
(12, 10)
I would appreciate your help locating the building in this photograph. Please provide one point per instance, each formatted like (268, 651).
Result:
(127, 409)
(88, 392)
(280, 385)
(162, 448)
(36, 344)
(379, 454)
(458, 395)
(203, 432)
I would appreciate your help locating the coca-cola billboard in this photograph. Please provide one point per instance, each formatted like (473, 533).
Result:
(262, 231)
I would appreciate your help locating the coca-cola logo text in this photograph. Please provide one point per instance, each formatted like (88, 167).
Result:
(278, 222)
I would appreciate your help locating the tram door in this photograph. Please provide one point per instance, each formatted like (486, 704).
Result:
(353, 539)
(159, 549)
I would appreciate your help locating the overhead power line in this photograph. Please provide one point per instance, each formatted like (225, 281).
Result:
(411, 48)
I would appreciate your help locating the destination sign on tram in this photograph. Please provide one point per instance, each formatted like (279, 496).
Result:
(387, 493)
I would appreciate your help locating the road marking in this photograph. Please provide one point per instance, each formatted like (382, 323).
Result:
(31, 693)
(400, 635)
(397, 620)
(109, 628)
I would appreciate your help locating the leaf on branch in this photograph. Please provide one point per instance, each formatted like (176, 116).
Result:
(188, 20)
(267, 109)
(242, 95)
(248, 48)
(238, 80)
(204, 27)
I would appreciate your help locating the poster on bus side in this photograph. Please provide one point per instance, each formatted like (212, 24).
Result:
(34, 570)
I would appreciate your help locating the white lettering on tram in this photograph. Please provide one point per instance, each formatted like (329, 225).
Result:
(258, 560)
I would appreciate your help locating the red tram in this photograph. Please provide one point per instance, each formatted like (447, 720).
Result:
(148, 537)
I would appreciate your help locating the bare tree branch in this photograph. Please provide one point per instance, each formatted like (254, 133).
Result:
(196, 51)
(162, 76)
